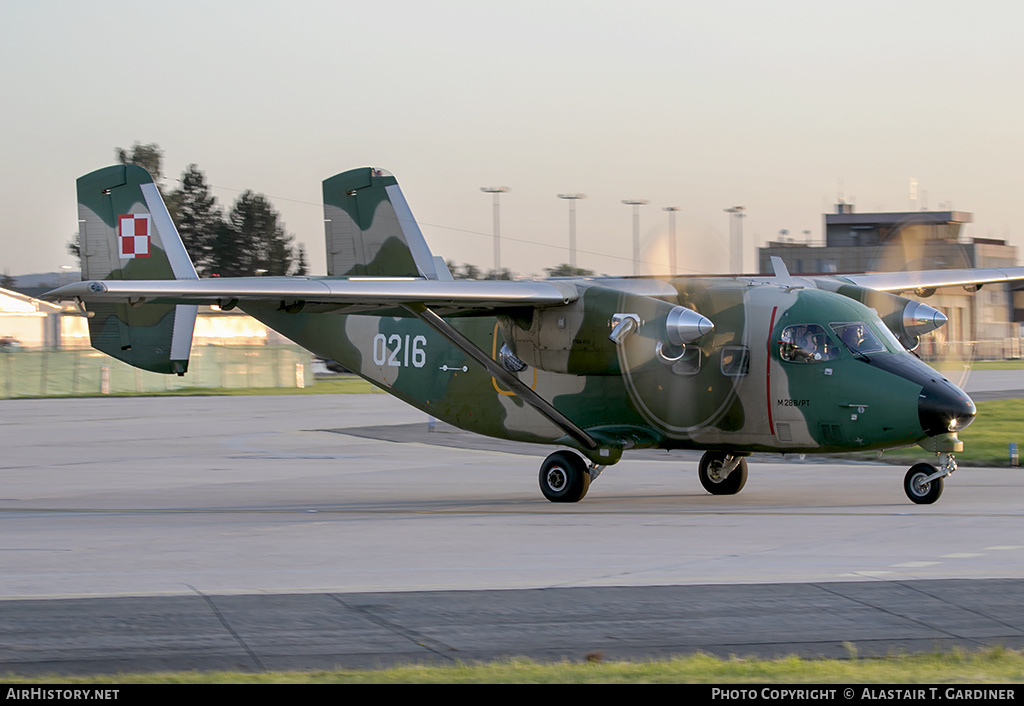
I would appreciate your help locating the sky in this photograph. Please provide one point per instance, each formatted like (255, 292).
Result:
(781, 107)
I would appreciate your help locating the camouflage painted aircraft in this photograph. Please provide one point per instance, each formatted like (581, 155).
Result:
(729, 365)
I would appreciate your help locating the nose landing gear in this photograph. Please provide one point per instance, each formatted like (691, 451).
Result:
(923, 482)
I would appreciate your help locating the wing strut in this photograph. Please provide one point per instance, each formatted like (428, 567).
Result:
(427, 316)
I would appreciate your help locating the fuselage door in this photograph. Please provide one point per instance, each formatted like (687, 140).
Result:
(802, 383)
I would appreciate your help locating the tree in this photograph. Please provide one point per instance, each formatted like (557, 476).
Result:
(565, 270)
(467, 271)
(150, 157)
(251, 241)
(301, 265)
(198, 218)
(503, 273)
(73, 247)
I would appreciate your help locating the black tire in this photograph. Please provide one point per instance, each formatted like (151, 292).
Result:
(710, 465)
(564, 477)
(922, 493)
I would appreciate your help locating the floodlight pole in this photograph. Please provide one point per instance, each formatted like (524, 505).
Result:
(572, 199)
(671, 238)
(636, 204)
(497, 191)
(736, 239)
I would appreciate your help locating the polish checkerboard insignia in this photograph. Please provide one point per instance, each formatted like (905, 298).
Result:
(133, 236)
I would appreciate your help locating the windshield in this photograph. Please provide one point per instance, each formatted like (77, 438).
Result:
(858, 337)
(895, 345)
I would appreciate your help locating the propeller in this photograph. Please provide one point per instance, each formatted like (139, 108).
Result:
(683, 365)
(933, 320)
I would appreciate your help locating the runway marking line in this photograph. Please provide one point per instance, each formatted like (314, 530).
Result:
(961, 555)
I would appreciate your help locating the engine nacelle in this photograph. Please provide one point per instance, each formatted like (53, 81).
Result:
(581, 338)
(906, 318)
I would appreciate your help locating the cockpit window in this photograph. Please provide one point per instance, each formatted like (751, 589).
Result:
(807, 343)
(895, 346)
(858, 337)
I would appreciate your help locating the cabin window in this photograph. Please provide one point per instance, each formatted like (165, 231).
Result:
(858, 337)
(735, 361)
(807, 343)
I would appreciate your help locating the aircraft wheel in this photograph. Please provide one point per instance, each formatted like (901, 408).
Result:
(711, 464)
(919, 491)
(564, 477)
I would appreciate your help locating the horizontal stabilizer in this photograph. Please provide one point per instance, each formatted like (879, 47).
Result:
(449, 296)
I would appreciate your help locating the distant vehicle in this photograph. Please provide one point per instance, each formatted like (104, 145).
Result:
(730, 365)
(9, 344)
(328, 367)
(334, 366)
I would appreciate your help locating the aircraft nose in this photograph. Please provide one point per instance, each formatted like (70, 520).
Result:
(943, 407)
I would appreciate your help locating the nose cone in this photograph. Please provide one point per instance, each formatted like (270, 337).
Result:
(686, 325)
(919, 319)
(943, 407)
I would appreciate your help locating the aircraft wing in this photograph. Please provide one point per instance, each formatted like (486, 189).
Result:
(933, 279)
(340, 294)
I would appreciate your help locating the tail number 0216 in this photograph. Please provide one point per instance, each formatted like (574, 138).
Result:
(398, 351)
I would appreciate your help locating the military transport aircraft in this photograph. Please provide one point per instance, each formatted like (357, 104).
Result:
(600, 365)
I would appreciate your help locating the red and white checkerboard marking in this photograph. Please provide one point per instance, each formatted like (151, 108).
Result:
(133, 232)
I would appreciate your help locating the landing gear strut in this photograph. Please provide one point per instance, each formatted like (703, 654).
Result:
(723, 473)
(565, 478)
(923, 482)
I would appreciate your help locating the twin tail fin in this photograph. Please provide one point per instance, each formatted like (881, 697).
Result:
(125, 232)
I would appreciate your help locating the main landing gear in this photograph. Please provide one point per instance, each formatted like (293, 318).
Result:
(723, 473)
(565, 477)
(923, 482)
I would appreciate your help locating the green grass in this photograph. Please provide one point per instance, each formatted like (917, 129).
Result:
(988, 666)
(978, 365)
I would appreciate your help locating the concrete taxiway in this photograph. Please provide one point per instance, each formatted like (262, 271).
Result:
(256, 532)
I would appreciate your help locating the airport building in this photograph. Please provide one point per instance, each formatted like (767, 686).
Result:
(982, 323)
(45, 350)
(28, 322)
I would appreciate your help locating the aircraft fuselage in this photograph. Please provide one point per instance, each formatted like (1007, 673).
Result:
(776, 373)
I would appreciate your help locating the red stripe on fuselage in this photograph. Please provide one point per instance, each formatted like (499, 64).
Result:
(768, 372)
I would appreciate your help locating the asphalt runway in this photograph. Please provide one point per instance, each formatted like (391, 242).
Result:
(283, 532)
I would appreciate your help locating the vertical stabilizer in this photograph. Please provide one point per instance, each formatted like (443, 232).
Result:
(125, 232)
(370, 229)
